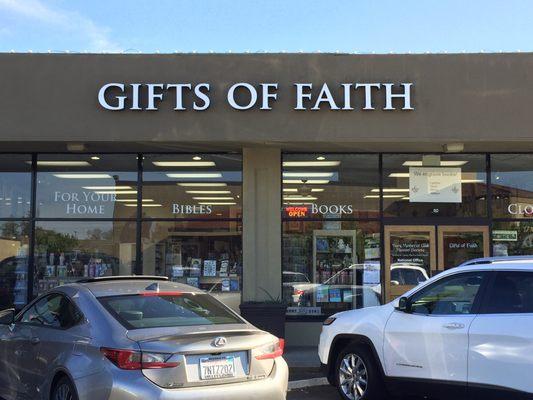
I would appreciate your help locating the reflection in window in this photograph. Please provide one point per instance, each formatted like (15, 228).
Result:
(200, 254)
(512, 238)
(512, 185)
(330, 266)
(14, 244)
(206, 186)
(330, 186)
(69, 251)
(449, 185)
(15, 186)
(87, 186)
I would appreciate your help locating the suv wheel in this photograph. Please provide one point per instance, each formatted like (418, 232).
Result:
(357, 376)
(64, 390)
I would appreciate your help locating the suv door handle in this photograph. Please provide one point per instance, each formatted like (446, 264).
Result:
(35, 340)
(454, 325)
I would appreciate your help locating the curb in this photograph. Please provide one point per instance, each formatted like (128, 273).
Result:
(304, 383)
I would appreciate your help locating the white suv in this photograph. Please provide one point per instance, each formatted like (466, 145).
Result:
(467, 332)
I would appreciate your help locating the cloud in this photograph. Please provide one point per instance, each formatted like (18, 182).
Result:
(96, 38)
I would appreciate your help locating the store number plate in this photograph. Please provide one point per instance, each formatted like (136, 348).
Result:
(217, 367)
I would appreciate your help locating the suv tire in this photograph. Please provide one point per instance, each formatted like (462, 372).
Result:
(357, 375)
(64, 390)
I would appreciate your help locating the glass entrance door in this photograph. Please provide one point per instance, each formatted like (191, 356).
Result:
(458, 244)
(415, 253)
(410, 257)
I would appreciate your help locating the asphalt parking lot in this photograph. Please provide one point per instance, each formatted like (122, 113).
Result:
(312, 393)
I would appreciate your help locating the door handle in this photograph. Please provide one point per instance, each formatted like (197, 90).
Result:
(35, 340)
(453, 325)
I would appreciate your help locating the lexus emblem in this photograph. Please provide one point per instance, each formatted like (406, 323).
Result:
(219, 341)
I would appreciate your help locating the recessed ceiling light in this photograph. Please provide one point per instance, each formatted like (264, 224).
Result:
(399, 175)
(320, 158)
(390, 190)
(195, 175)
(472, 181)
(308, 174)
(203, 184)
(144, 205)
(83, 176)
(115, 192)
(442, 163)
(61, 163)
(317, 190)
(208, 191)
(299, 198)
(290, 189)
(210, 203)
(134, 200)
(213, 198)
(110, 187)
(95, 158)
(385, 196)
(183, 163)
(197, 158)
(311, 163)
(307, 182)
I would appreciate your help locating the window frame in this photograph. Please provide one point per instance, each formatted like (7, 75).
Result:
(478, 299)
(490, 286)
(19, 316)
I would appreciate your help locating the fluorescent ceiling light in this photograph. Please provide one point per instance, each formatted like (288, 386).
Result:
(405, 198)
(472, 181)
(311, 163)
(144, 205)
(110, 187)
(62, 163)
(115, 192)
(399, 175)
(385, 196)
(390, 190)
(83, 176)
(442, 163)
(195, 175)
(213, 198)
(317, 190)
(183, 163)
(223, 203)
(308, 174)
(309, 182)
(208, 191)
(299, 198)
(290, 190)
(202, 184)
(133, 200)
(297, 203)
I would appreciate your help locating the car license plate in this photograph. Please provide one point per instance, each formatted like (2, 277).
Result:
(217, 367)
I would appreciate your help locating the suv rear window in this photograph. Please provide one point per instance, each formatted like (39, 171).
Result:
(160, 310)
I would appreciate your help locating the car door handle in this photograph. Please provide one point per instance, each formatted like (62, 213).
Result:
(454, 325)
(35, 340)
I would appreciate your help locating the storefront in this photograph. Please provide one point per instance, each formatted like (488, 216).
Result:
(332, 182)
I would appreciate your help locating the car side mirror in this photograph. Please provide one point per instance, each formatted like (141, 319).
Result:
(404, 305)
(7, 317)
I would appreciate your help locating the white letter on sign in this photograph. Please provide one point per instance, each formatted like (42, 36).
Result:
(105, 104)
(231, 96)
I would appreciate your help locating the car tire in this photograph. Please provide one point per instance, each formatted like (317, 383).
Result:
(64, 390)
(357, 376)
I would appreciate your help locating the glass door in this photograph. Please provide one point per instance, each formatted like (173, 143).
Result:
(410, 258)
(458, 244)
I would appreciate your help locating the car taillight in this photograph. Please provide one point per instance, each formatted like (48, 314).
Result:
(271, 351)
(132, 360)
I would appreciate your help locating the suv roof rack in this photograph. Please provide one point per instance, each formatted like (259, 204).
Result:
(124, 278)
(492, 260)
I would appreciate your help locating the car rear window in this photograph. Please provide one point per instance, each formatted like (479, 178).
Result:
(161, 310)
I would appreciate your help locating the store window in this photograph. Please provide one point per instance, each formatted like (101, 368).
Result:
(447, 185)
(207, 255)
(15, 186)
(513, 238)
(86, 186)
(14, 244)
(205, 186)
(330, 186)
(66, 251)
(512, 185)
(330, 266)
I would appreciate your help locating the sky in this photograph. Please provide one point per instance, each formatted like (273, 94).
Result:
(167, 26)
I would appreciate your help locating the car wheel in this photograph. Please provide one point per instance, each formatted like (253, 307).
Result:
(64, 390)
(357, 376)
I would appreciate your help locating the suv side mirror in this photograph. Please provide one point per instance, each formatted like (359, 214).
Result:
(404, 305)
(7, 317)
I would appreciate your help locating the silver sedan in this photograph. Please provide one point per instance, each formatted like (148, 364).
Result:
(136, 338)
